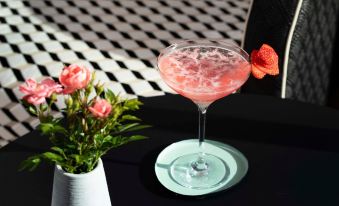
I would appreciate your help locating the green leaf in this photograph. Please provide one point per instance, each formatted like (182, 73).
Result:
(60, 129)
(132, 104)
(110, 96)
(139, 127)
(98, 137)
(118, 140)
(30, 164)
(59, 150)
(108, 138)
(129, 118)
(52, 157)
(137, 137)
(126, 127)
(77, 158)
(71, 146)
(47, 128)
(111, 141)
(132, 127)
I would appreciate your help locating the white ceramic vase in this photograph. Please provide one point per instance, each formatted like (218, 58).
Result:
(88, 189)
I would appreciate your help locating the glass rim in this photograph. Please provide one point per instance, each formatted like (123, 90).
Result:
(206, 42)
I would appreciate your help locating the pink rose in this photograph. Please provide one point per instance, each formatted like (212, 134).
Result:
(74, 77)
(52, 86)
(101, 108)
(37, 92)
(33, 99)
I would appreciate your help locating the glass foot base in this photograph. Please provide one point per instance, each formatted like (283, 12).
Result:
(198, 171)
(174, 178)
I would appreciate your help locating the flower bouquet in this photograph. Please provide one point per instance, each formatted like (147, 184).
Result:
(95, 122)
(95, 119)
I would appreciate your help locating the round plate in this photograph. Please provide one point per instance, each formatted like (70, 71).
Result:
(236, 161)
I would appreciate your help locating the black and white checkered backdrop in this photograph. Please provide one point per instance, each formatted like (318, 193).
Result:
(119, 39)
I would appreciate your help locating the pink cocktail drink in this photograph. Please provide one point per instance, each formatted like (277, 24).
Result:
(204, 73)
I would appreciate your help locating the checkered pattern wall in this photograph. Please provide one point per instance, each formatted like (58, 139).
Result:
(119, 39)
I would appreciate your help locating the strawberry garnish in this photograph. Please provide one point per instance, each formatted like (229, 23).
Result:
(264, 61)
(257, 73)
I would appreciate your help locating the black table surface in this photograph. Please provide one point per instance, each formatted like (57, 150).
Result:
(292, 149)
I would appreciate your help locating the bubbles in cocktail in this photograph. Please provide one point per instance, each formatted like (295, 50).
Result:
(204, 73)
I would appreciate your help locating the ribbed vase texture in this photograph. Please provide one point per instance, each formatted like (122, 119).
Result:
(88, 189)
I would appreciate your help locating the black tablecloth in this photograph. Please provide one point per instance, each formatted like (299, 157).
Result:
(291, 148)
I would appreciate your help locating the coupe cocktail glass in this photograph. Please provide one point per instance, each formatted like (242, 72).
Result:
(202, 71)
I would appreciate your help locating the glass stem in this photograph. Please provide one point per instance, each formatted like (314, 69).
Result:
(202, 123)
(199, 166)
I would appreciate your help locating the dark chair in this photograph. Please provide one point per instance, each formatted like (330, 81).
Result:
(303, 32)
